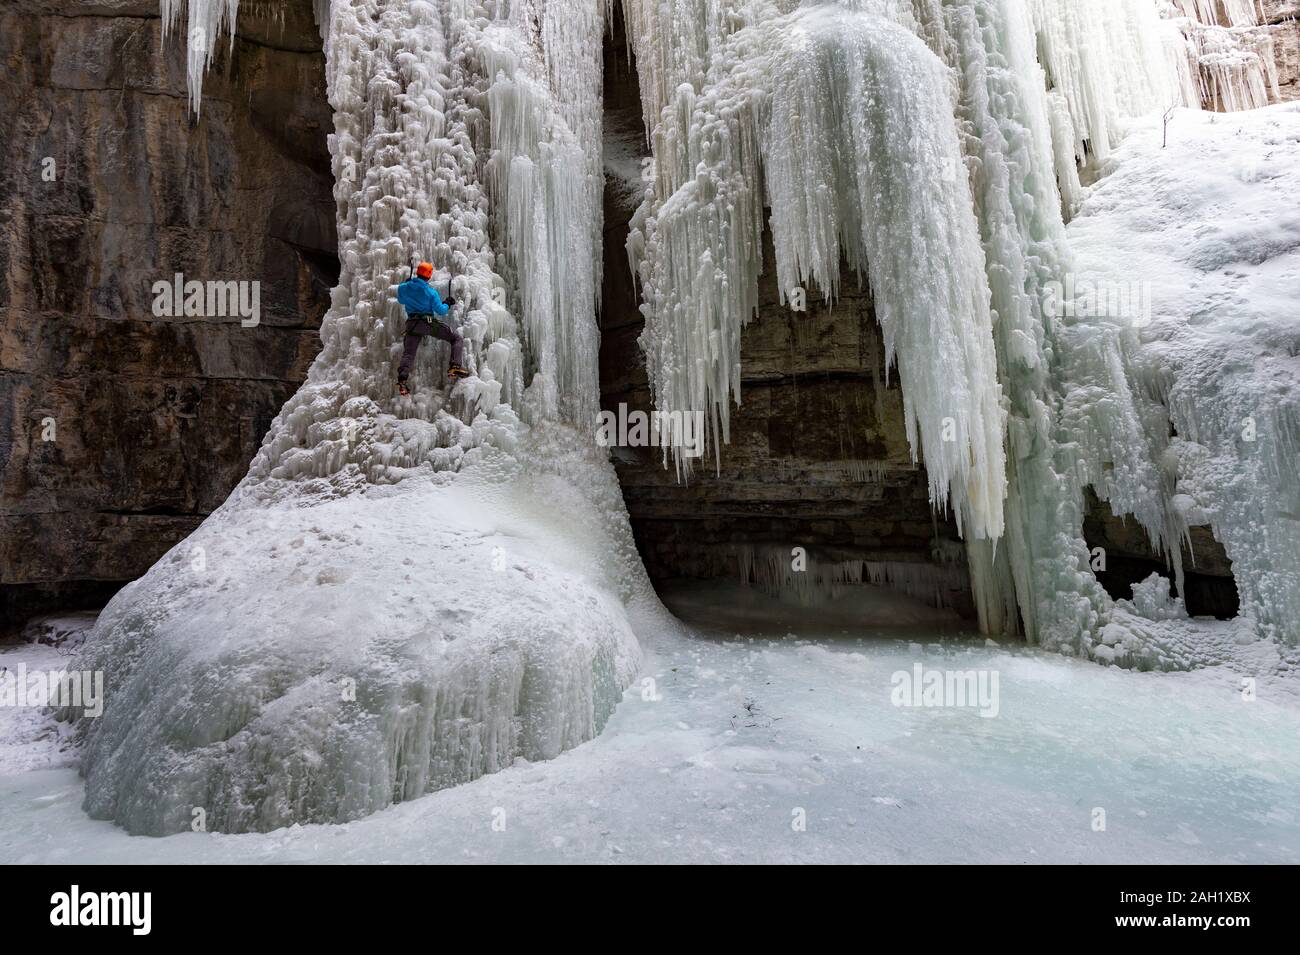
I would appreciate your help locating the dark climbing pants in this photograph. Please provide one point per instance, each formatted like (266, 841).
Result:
(417, 327)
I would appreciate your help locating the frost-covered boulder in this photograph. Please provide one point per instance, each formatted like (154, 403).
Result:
(1152, 599)
(301, 661)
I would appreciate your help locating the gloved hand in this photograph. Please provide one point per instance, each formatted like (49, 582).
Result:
(449, 301)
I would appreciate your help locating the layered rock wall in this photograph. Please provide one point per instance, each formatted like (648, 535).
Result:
(120, 429)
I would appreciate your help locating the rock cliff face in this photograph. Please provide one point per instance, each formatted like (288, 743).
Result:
(120, 429)
(1282, 19)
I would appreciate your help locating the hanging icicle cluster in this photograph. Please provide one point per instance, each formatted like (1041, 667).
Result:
(207, 22)
(839, 119)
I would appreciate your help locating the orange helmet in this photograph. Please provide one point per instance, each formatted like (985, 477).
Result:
(424, 270)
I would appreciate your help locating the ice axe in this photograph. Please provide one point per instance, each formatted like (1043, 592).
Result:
(451, 278)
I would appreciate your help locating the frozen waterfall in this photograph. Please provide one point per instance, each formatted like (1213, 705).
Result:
(941, 173)
(404, 593)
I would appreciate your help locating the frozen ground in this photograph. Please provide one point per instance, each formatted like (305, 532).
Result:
(29, 738)
(747, 731)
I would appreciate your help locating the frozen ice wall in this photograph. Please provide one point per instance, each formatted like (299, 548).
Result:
(470, 162)
(1230, 62)
(477, 149)
(403, 593)
(839, 119)
(919, 144)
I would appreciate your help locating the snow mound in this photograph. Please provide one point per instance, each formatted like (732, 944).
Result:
(318, 663)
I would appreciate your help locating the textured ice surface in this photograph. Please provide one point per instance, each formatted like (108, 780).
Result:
(1035, 575)
(316, 663)
(1194, 418)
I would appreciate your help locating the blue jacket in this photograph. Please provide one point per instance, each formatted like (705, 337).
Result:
(418, 297)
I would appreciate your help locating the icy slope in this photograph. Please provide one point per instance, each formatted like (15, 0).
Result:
(327, 661)
(403, 593)
(1212, 225)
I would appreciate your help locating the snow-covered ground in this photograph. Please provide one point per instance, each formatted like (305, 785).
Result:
(29, 737)
(714, 761)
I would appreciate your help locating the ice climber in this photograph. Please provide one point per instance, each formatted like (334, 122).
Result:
(424, 309)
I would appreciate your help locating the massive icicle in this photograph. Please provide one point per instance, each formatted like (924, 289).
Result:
(1042, 566)
(547, 178)
(840, 119)
(207, 21)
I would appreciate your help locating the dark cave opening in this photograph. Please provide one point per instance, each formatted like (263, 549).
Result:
(1209, 588)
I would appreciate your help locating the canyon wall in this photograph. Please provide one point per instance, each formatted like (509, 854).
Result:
(121, 429)
(1282, 21)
